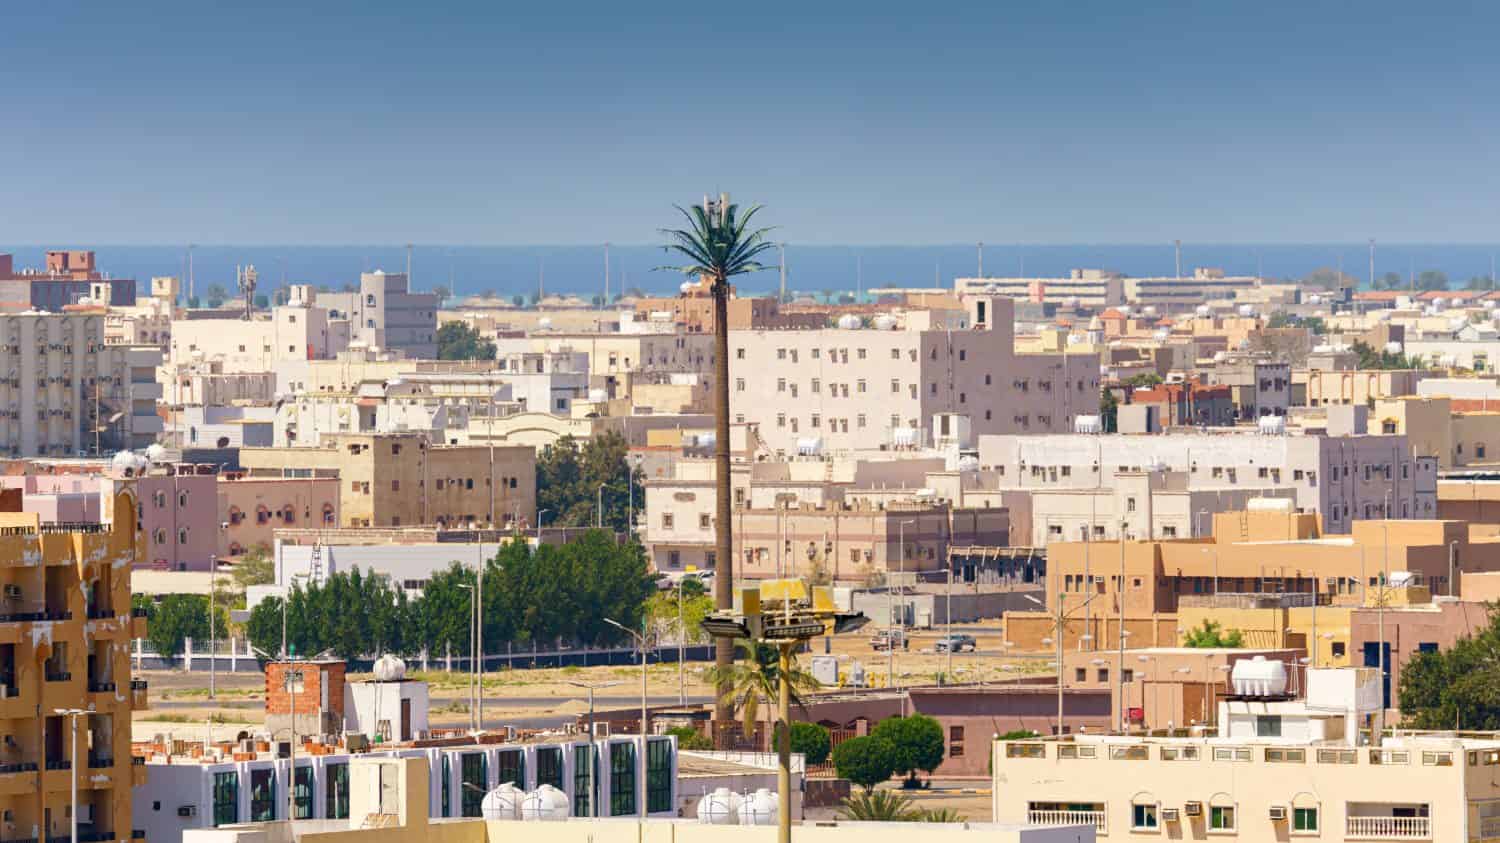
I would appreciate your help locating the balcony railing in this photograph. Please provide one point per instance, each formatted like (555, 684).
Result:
(18, 767)
(98, 614)
(1489, 826)
(1388, 828)
(139, 612)
(101, 687)
(1094, 818)
(59, 764)
(137, 684)
(59, 676)
(101, 763)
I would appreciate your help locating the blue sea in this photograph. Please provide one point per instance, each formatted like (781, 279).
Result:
(513, 270)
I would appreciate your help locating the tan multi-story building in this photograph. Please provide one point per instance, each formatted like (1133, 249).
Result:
(848, 388)
(1322, 387)
(65, 670)
(399, 479)
(64, 392)
(251, 509)
(386, 314)
(1454, 439)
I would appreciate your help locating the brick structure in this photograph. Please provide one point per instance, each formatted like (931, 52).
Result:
(312, 706)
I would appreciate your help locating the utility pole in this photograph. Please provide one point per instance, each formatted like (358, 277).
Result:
(593, 748)
(1372, 263)
(605, 303)
(1120, 594)
(782, 248)
(213, 587)
(981, 258)
(190, 271)
(408, 266)
(1177, 246)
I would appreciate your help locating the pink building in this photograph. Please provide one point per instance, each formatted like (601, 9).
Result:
(252, 508)
(58, 498)
(179, 517)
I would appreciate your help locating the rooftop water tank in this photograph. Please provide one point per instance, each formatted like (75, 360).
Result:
(1269, 505)
(598, 395)
(810, 446)
(720, 807)
(544, 323)
(850, 322)
(1247, 310)
(1488, 304)
(1161, 334)
(1220, 356)
(1393, 348)
(904, 437)
(1271, 425)
(885, 322)
(545, 803)
(1439, 302)
(759, 808)
(1124, 309)
(1148, 310)
(156, 453)
(1402, 579)
(1202, 310)
(1087, 424)
(968, 462)
(1258, 677)
(502, 803)
(389, 668)
(706, 440)
(685, 287)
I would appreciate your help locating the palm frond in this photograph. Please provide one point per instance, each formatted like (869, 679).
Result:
(719, 246)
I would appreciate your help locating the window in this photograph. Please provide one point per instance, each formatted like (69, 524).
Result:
(510, 766)
(302, 794)
(781, 384)
(1130, 504)
(658, 776)
(1103, 674)
(549, 766)
(817, 385)
(621, 779)
(861, 354)
(704, 521)
(955, 741)
(1338, 649)
(895, 354)
(262, 796)
(860, 420)
(860, 385)
(895, 385)
(474, 777)
(1221, 818)
(583, 754)
(1268, 726)
(739, 354)
(1080, 674)
(666, 520)
(1127, 676)
(226, 798)
(1143, 817)
(1304, 819)
(739, 384)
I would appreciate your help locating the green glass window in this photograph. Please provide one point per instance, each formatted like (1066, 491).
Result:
(1304, 819)
(474, 772)
(226, 798)
(583, 757)
(262, 796)
(658, 776)
(1221, 818)
(1143, 816)
(510, 766)
(302, 793)
(447, 786)
(336, 800)
(621, 779)
(549, 766)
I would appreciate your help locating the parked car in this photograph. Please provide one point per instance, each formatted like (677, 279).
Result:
(957, 643)
(882, 640)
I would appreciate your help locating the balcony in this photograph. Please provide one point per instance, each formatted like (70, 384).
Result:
(101, 687)
(101, 763)
(59, 676)
(1095, 818)
(1388, 828)
(18, 767)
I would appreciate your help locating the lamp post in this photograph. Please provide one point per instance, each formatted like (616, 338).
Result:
(599, 513)
(473, 707)
(539, 514)
(213, 640)
(593, 750)
(890, 601)
(640, 638)
(681, 647)
(1059, 624)
(72, 714)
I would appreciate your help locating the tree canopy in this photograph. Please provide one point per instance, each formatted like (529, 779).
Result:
(916, 741)
(177, 618)
(1369, 358)
(865, 761)
(1209, 635)
(459, 341)
(1456, 688)
(568, 476)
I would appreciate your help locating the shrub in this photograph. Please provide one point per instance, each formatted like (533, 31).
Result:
(690, 738)
(918, 744)
(865, 761)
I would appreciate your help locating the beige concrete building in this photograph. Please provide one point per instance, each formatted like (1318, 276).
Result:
(302, 331)
(899, 383)
(1455, 439)
(251, 509)
(1145, 504)
(1321, 388)
(399, 479)
(1088, 288)
(386, 314)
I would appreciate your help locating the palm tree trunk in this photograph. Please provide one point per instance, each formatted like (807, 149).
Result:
(723, 542)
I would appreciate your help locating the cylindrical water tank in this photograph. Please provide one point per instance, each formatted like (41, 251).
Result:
(1271, 425)
(904, 437)
(1202, 310)
(596, 395)
(885, 322)
(720, 807)
(502, 803)
(1247, 310)
(155, 453)
(849, 322)
(1087, 424)
(685, 287)
(1148, 310)
(1124, 309)
(1439, 302)
(760, 807)
(545, 803)
(389, 668)
(1258, 677)
(1393, 348)
(707, 440)
(968, 462)
(544, 322)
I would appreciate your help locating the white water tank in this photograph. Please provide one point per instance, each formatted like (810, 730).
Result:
(1271, 425)
(1439, 302)
(544, 323)
(720, 807)
(502, 803)
(885, 322)
(968, 462)
(598, 395)
(156, 453)
(706, 440)
(1403, 579)
(1124, 309)
(1247, 310)
(904, 437)
(810, 446)
(850, 322)
(685, 287)
(1148, 310)
(1087, 424)
(1202, 310)
(545, 803)
(1393, 348)
(1258, 677)
(759, 808)
(389, 668)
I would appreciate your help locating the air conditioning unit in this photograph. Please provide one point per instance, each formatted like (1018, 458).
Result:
(1169, 815)
(601, 730)
(187, 811)
(12, 591)
(1278, 813)
(1193, 809)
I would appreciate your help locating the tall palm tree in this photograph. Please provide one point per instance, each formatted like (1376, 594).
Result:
(756, 680)
(719, 244)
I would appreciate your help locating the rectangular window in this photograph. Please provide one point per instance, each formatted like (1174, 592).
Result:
(1268, 726)
(474, 783)
(817, 385)
(739, 384)
(262, 796)
(704, 521)
(510, 766)
(666, 520)
(1221, 818)
(895, 385)
(336, 801)
(1143, 817)
(302, 793)
(447, 785)
(1304, 819)
(658, 776)
(226, 798)
(549, 766)
(621, 779)
(583, 755)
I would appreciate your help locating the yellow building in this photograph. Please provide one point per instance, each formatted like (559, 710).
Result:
(65, 646)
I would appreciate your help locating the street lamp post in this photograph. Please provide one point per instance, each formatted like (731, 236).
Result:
(593, 749)
(1059, 625)
(599, 513)
(539, 514)
(640, 639)
(890, 600)
(473, 702)
(213, 639)
(681, 647)
(72, 714)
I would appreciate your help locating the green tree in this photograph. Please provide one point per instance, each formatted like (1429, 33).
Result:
(518, 301)
(569, 474)
(865, 761)
(1369, 358)
(262, 302)
(917, 743)
(1109, 411)
(690, 738)
(177, 618)
(1390, 281)
(1209, 635)
(216, 295)
(879, 806)
(664, 610)
(754, 679)
(1456, 688)
(812, 740)
(1327, 278)
(1142, 380)
(719, 244)
(1480, 282)
(442, 292)
(1432, 279)
(459, 341)
(256, 567)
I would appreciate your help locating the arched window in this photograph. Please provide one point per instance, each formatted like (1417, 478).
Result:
(160, 536)
(1222, 813)
(288, 514)
(1305, 818)
(182, 498)
(235, 516)
(160, 499)
(182, 535)
(1145, 812)
(262, 514)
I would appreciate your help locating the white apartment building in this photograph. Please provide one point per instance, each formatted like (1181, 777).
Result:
(854, 388)
(1343, 478)
(1095, 289)
(442, 405)
(1177, 294)
(64, 392)
(386, 314)
(1277, 769)
(300, 331)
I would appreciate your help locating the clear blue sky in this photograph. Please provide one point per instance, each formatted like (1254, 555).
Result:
(868, 123)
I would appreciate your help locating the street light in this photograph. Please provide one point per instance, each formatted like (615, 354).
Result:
(640, 639)
(593, 749)
(539, 515)
(1059, 628)
(213, 639)
(890, 600)
(73, 713)
(474, 724)
(599, 514)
